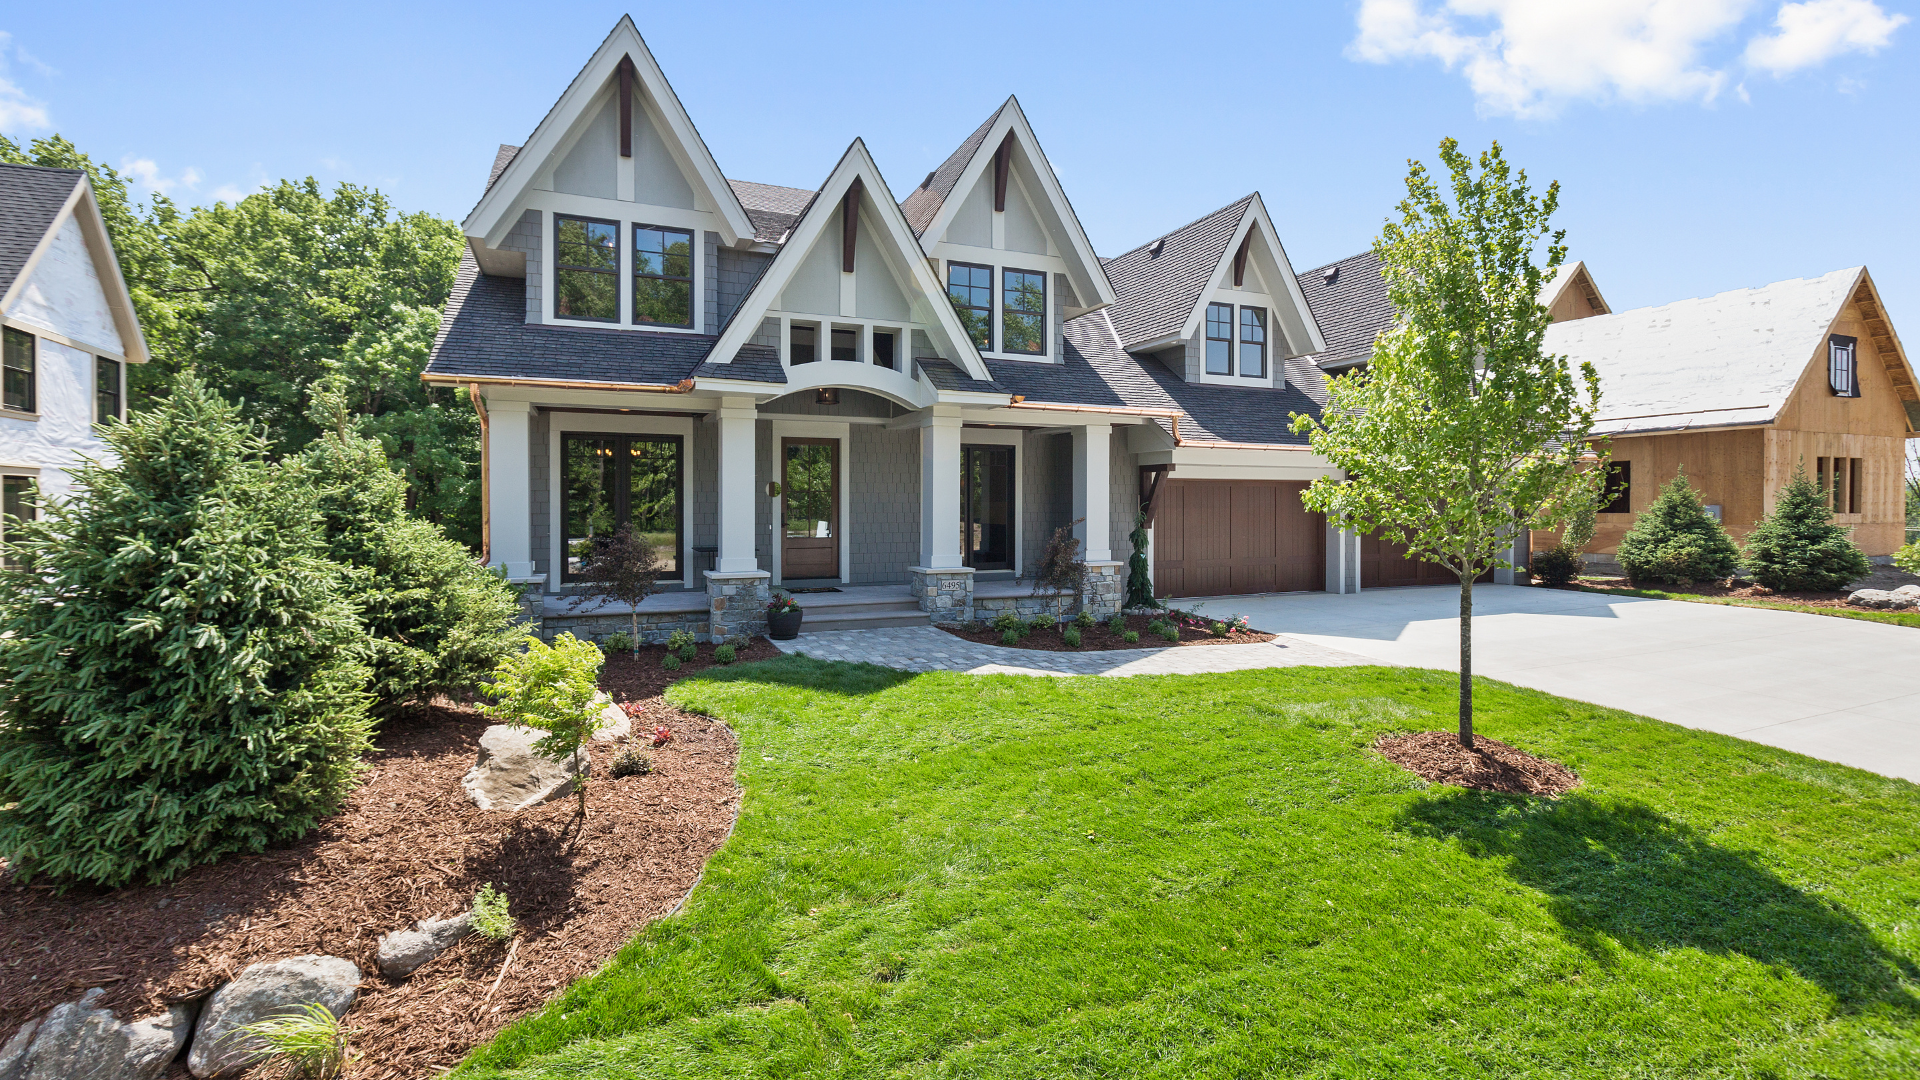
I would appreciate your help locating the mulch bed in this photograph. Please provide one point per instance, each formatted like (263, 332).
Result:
(409, 845)
(1882, 577)
(1438, 757)
(1098, 637)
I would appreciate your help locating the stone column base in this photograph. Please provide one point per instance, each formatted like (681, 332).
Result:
(946, 594)
(1106, 587)
(737, 603)
(533, 603)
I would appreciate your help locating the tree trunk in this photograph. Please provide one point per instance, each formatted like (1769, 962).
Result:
(1466, 662)
(633, 617)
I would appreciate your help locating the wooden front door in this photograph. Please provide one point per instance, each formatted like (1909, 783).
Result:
(809, 508)
(1225, 537)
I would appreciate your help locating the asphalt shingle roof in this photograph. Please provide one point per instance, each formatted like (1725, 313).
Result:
(946, 375)
(772, 209)
(1159, 282)
(925, 201)
(1349, 301)
(30, 198)
(501, 159)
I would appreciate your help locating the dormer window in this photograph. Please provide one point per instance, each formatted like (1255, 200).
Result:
(1843, 374)
(971, 290)
(662, 276)
(1253, 343)
(1219, 339)
(586, 259)
(1023, 312)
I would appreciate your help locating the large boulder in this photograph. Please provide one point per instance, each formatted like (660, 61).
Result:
(77, 1041)
(400, 953)
(615, 724)
(510, 776)
(1881, 598)
(262, 991)
(1912, 591)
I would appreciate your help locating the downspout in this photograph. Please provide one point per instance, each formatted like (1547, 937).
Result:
(486, 486)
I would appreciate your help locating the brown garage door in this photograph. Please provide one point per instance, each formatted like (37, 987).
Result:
(1386, 565)
(1222, 537)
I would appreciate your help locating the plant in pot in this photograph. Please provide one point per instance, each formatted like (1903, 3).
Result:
(783, 616)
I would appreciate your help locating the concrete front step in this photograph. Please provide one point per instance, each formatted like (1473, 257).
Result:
(862, 617)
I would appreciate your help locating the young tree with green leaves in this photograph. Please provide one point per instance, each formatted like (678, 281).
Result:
(183, 678)
(1799, 547)
(551, 689)
(1462, 429)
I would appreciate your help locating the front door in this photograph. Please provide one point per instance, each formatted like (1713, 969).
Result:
(986, 506)
(615, 481)
(809, 508)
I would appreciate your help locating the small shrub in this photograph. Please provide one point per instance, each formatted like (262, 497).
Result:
(1039, 623)
(1131, 637)
(1085, 620)
(1170, 632)
(307, 1038)
(1908, 558)
(551, 688)
(1007, 620)
(631, 762)
(620, 569)
(1071, 635)
(1218, 629)
(617, 643)
(1061, 571)
(490, 917)
(1158, 626)
(1010, 637)
(1117, 624)
(725, 654)
(670, 662)
(1557, 566)
(1799, 547)
(1675, 542)
(682, 644)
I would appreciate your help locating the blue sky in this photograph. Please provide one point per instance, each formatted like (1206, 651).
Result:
(1702, 145)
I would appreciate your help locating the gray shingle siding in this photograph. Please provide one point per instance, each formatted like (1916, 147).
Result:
(710, 282)
(703, 516)
(883, 468)
(1123, 495)
(526, 238)
(852, 403)
(541, 495)
(1057, 347)
(1047, 494)
(768, 335)
(737, 271)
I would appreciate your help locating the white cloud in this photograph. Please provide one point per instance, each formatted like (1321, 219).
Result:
(146, 173)
(228, 193)
(19, 111)
(1811, 33)
(1529, 58)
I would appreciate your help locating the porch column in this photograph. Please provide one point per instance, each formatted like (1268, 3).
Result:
(738, 499)
(1092, 491)
(940, 489)
(510, 486)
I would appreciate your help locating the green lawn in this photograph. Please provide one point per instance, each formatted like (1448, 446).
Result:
(1213, 876)
(1895, 618)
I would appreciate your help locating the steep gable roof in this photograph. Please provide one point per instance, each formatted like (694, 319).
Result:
(772, 208)
(1160, 282)
(491, 217)
(1349, 301)
(31, 199)
(926, 200)
(36, 203)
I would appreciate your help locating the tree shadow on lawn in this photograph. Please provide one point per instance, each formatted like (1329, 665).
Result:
(1621, 871)
(797, 669)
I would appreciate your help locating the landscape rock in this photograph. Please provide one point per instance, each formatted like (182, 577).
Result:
(1881, 598)
(76, 1041)
(510, 776)
(402, 952)
(615, 724)
(261, 991)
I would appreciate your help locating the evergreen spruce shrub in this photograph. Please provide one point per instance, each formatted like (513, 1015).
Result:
(184, 678)
(437, 621)
(1674, 542)
(1799, 547)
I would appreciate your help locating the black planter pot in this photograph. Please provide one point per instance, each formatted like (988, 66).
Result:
(784, 626)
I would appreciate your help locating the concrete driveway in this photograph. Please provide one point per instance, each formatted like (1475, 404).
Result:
(1840, 689)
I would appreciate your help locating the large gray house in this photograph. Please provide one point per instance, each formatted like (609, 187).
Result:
(842, 388)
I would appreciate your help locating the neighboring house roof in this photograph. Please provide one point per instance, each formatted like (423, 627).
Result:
(31, 198)
(1159, 282)
(502, 158)
(925, 201)
(1349, 301)
(772, 209)
(1716, 361)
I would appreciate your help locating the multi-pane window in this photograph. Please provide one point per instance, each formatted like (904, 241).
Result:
(1253, 343)
(971, 290)
(586, 260)
(620, 481)
(106, 389)
(16, 504)
(1842, 482)
(1843, 368)
(17, 369)
(662, 276)
(1023, 312)
(1219, 339)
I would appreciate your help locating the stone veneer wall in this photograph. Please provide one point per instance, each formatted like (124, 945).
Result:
(1105, 586)
(655, 626)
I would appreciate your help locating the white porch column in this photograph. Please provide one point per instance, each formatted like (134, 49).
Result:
(738, 499)
(1092, 493)
(510, 486)
(940, 489)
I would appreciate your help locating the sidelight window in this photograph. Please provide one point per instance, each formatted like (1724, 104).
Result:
(611, 481)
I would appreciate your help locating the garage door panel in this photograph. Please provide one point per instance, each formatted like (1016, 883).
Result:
(1220, 537)
(1255, 509)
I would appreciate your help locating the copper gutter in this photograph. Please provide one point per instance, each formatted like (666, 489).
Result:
(486, 488)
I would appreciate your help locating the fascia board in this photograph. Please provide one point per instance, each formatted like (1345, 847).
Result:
(85, 210)
(969, 176)
(499, 201)
(1219, 275)
(1900, 351)
(43, 245)
(1316, 341)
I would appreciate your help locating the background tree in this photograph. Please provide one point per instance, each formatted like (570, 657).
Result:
(1463, 430)
(1675, 542)
(1799, 547)
(622, 569)
(182, 676)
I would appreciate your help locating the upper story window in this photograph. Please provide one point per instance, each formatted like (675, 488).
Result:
(1843, 373)
(971, 290)
(1219, 339)
(1253, 343)
(662, 276)
(586, 260)
(106, 390)
(1023, 312)
(17, 370)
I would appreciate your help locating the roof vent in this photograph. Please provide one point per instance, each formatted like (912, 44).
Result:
(1157, 245)
(1332, 275)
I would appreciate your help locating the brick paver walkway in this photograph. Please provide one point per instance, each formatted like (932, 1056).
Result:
(924, 648)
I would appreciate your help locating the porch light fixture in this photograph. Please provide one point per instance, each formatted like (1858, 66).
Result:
(827, 395)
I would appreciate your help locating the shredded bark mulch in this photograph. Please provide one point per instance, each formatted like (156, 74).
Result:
(1882, 577)
(1098, 637)
(1438, 757)
(409, 845)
